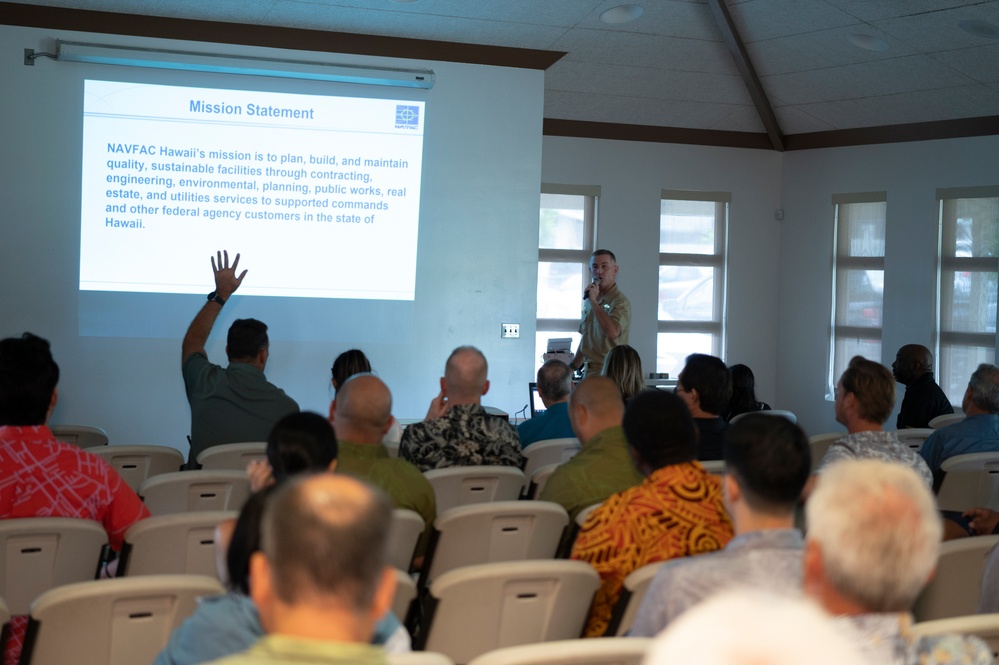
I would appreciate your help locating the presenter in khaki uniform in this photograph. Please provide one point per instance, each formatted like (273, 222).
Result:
(606, 315)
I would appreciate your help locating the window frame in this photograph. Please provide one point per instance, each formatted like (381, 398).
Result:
(718, 261)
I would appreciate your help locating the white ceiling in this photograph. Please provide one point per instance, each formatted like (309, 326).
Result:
(671, 67)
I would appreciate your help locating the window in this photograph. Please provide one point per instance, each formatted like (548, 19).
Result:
(693, 228)
(565, 242)
(966, 281)
(858, 281)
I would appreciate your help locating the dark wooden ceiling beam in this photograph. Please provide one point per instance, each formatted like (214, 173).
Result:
(738, 50)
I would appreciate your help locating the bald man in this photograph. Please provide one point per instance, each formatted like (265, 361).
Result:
(361, 414)
(924, 400)
(603, 466)
(457, 430)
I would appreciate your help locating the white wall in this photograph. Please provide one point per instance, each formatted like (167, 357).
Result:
(477, 261)
(631, 177)
(910, 173)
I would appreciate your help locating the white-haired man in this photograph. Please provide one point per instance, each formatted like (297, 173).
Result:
(873, 541)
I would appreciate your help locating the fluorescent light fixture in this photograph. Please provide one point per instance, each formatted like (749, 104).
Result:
(621, 14)
(980, 28)
(868, 42)
(245, 65)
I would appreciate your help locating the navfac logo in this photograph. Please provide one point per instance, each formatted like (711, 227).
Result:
(407, 117)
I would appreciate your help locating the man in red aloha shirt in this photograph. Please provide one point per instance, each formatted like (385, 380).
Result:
(40, 476)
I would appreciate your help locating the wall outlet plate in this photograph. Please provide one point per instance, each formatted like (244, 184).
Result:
(510, 331)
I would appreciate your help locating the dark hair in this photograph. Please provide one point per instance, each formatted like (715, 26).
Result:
(710, 378)
(28, 376)
(874, 387)
(347, 364)
(245, 540)
(604, 252)
(326, 541)
(300, 442)
(771, 459)
(659, 427)
(246, 339)
(743, 398)
(555, 379)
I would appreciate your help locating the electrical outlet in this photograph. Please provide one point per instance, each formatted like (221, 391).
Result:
(510, 330)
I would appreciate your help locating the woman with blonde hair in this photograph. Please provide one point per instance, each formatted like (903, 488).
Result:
(623, 366)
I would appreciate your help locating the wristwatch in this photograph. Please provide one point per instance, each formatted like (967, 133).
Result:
(217, 298)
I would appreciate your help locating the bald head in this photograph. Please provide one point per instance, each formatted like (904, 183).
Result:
(362, 411)
(595, 406)
(325, 537)
(911, 362)
(466, 375)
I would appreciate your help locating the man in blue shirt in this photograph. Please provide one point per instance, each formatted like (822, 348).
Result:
(554, 387)
(977, 433)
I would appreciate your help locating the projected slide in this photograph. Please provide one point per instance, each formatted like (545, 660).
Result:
(320, 195)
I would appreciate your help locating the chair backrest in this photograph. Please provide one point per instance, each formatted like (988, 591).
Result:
(606, 651)
(715, 466)
(956, 585)
(84, 436)
(492, 532)
(405, 593)
(772, 412)
(40, 553)
(418, 658)
(914, 436)
(984, 626)
(232, 456)
(137, 463)
(404, 533)
(476, 609)
(465, 485)
(189, 491)
(539, 480)
(549, 451)
(583, 514)
(968, 481)
(947, 419)
(820, 444)
(111, 622)
(636, 584)
(181, 544)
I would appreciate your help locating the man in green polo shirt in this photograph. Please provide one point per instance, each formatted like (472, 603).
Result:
(237, 403)
(606, 315)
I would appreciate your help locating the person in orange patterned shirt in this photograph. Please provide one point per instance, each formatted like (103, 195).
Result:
(677, 511)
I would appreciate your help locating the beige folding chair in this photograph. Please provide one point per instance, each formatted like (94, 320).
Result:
(967, 481)
(491, 532)
(464, 485)
(476, 609)
(914, 436)
(404, 533)
(773, 412)
(984, 626)
(418, 658)
(111, 622)
(957, 583)
(137, 463)
(232, 456)
(549, 451)
(83, 436)
(40, 553)
(606, 651)
(539, 480)
(947, 419)
(583, 514)
(636, 584)
(4, 627)
(820, 444)
(714, 466)
(189, 491)
(405, 593)
(181, 544)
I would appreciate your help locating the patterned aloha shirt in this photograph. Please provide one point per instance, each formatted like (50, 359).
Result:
(677, 511)
(882, 446)
(465, 436)
(887, 639)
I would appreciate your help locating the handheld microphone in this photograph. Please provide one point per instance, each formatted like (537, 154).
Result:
(596, 280)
